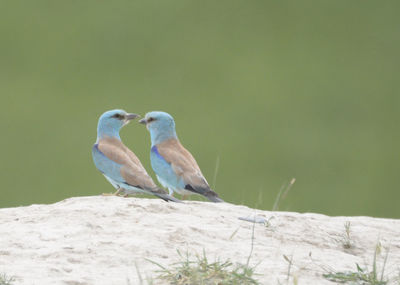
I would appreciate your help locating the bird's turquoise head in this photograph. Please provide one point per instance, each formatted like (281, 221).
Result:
(112, 121)
(161, 126)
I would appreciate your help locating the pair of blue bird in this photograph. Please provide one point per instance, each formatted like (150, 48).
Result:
(175, 167)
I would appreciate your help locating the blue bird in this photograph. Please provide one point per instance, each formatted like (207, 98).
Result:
(175, 167)
(119, 164)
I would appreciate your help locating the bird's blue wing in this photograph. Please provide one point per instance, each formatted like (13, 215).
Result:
(164, 170)
(106, 165)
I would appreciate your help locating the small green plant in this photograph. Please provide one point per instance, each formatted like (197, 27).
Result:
(291, 277)
(200, 270)
(282, 193)
(362, 276)
(214, 184)
(346, 240)
(6, 280)
(268, 224)
(290, 264)
(234, 233)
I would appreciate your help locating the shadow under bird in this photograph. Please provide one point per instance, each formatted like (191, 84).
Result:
(119, 164)
(174, 166)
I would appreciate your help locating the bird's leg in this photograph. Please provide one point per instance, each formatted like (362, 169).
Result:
(123, 193)
(119, 190)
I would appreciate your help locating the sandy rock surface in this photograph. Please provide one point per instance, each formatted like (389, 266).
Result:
(103, 240)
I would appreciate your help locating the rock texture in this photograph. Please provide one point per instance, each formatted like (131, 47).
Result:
(106, 240)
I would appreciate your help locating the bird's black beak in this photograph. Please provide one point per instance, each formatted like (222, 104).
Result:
(143, 121)
(131, 116)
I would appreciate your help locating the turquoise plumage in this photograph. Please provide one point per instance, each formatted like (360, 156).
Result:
(174, 166)
(119, 165)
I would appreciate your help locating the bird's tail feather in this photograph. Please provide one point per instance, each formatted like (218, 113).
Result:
(214, 198)
(168, 198)
(206, 192)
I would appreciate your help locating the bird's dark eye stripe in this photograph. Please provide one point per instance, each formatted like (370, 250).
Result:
(150, 120)
(118, 116)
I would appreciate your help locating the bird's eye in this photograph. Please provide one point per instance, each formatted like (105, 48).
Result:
(151, 119)
(118, 116)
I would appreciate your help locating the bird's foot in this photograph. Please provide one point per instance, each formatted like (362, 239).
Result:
(116, 193)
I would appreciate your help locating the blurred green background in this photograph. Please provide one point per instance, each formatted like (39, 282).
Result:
(274, 89)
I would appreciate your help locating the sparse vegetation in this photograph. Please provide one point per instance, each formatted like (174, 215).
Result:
(290, 264)
(346, 240)
(200, 270)
(363, 276)
(6, 280)
(268, 224)
(282, 193)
